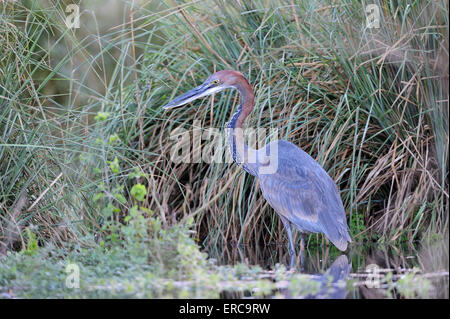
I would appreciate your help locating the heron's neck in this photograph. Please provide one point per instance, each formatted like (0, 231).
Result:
(239, 150)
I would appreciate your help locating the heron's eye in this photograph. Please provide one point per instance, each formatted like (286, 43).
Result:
(215, 82)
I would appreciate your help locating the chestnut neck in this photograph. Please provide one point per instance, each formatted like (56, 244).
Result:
(247, 101)
(237, 146)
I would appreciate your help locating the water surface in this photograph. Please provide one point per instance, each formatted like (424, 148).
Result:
(364, 271)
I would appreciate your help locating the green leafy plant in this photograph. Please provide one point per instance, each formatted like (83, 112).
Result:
(139, 192)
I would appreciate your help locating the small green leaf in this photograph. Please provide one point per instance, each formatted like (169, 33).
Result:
(31, 244)
(114, 165)
(120, 198)
(113, 138)
(97, 197)
(137, 173)
(139, 191)
(101, 116)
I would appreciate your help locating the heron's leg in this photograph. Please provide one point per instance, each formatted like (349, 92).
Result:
(287, 225)
(302, 251)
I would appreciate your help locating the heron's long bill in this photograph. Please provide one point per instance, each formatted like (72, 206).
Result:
(187, 97)
(198, 92)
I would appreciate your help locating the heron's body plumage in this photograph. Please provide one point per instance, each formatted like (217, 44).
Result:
(302, 192)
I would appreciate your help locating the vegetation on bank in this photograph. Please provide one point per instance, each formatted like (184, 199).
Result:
(144, 260)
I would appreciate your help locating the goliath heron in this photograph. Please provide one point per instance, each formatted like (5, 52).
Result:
(300, 190)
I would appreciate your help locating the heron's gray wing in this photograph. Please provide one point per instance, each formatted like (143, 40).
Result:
(302, 192)
(294, 195)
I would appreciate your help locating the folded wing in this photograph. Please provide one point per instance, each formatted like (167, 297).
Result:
(303, 192)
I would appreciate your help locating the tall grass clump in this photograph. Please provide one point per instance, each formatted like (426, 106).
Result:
(369, 104)
(32, 142)
(51, 86)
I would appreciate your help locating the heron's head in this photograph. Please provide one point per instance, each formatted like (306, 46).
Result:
(215, 83)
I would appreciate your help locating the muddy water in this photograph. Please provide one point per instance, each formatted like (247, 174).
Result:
(368, 271)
